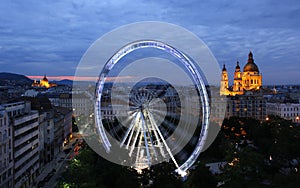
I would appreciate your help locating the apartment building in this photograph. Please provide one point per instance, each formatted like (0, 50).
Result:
(25, 142)
(6, 163)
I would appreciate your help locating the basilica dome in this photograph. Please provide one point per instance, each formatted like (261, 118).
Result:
(251, 66)
(45, 78)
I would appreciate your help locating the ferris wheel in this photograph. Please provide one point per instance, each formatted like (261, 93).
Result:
(154, 90)
(153, 117)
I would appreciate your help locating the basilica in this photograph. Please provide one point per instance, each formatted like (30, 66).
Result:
(43, 83)
(248, 80)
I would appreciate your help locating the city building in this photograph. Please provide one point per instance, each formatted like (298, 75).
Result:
(58, 133)
(249, 79)
(286, 110)
(32, 132)
(218, 109)
(46, 136)
(81, 103)
(6, 162)
(25, 142)
(248, 105)
(43, 83)
(251, 105)
(67, 123)
(42, 104)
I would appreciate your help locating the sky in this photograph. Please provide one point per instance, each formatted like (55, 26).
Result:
(50, 36)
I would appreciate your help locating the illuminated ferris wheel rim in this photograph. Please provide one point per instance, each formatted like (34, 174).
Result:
(191, 69)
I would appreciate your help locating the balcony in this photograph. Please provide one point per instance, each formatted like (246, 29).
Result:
(19, 183)
(26, 128)
(25, 168)
(29, 154)
(22, 150)
(27, 117)
(25, 138)
(14, 106)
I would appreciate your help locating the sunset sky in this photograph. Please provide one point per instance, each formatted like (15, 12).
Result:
(50, 36)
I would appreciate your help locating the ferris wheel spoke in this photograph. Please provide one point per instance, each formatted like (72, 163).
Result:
(158, 113)
(159, 144)
(145, 137)
(157, 110)
(136, 126)
(130, 137)
(135, 138)
(163, 140)
(129, 130)
(149, 134)
(138, 155)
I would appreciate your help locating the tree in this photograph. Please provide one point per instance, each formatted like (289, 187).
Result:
(164, 175)
(201, 177)
(245, 168)
(88, 169)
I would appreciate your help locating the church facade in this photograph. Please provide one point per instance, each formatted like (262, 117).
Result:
(248, 80)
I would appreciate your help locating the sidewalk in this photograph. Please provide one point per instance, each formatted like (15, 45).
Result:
(50, 169)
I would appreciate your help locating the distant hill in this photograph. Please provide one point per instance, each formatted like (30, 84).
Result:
(14, 79)
(64, 82)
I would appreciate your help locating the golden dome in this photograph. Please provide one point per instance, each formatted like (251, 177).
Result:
(250, 66)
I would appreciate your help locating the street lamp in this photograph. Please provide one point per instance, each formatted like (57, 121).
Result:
(267, 118)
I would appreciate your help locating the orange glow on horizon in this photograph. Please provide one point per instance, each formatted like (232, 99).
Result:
(79, 78)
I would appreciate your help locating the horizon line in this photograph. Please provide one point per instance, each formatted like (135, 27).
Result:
(76, 78)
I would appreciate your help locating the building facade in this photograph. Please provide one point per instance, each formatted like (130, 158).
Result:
(289, 111)
(46, 137)
(6, 155)
(25, 142)
(67, 114)
(247, 105)
(252, 106)
(81, 103)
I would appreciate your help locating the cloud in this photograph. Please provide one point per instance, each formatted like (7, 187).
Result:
(59, 32)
